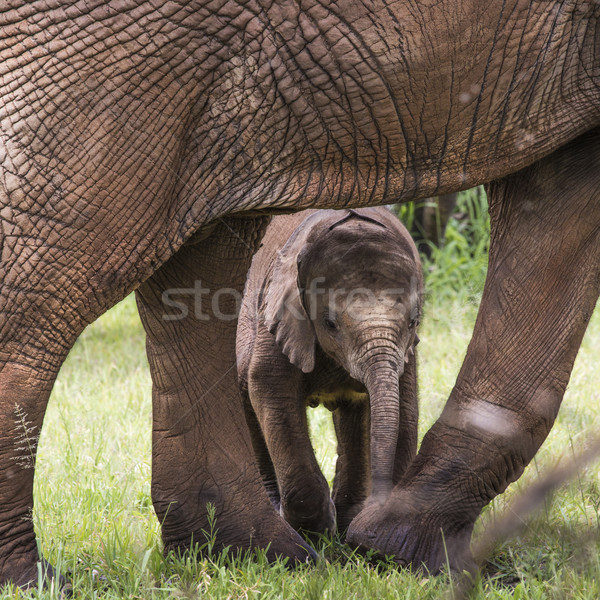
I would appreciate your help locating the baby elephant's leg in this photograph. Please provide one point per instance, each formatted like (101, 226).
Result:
(352, 480)
(275, 393)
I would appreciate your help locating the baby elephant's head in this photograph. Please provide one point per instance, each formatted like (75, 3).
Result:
(359, 286)
(351, 282)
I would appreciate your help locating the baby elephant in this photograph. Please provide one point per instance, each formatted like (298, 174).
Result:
(329, 316)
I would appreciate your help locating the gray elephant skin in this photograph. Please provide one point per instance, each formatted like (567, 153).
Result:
(329, 316)
(143, 146)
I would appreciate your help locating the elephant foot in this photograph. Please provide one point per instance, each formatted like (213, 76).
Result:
(282, 541)
(27, 572)
(244, 530)
(416, 540)
(310, 515)
(285, 544)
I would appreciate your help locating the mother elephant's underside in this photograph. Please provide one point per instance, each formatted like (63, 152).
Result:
(142, 144)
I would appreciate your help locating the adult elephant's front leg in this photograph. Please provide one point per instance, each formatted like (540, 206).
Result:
(543, 282)
(202, 452)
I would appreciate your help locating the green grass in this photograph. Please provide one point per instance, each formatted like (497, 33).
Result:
(456, 271)
(94, 516)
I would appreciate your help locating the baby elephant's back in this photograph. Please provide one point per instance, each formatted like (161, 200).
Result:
(284, 228)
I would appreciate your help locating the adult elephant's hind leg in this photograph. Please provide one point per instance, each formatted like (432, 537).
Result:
(542, 285)
(202, 452)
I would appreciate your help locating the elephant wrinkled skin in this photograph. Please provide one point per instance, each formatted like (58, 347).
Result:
(329, 316)
(129, 125)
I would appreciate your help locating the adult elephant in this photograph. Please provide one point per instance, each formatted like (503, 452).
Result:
(142, 143)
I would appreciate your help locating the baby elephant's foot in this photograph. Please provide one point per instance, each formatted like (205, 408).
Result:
(308, 511)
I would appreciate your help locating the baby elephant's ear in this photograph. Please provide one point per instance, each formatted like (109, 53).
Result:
(285, 316)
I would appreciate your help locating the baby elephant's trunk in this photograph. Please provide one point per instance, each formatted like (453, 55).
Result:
(384, 369)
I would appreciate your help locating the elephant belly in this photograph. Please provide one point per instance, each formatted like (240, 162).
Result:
(332, 399)
(330, 385)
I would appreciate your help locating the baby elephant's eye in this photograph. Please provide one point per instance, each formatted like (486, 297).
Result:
(329, 324)
(413, 323)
